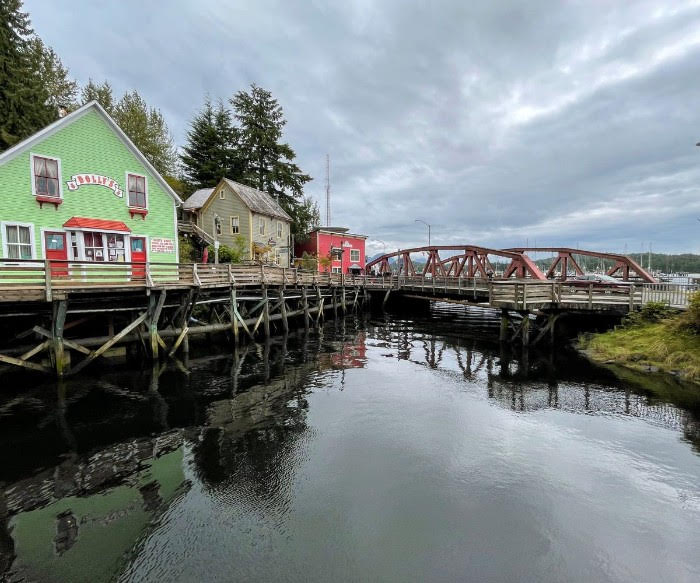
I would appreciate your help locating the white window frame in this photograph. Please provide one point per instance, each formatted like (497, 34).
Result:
(280, 230)
(126, 189)
(222, 194)
(261, 225)
(358, 255)
(336, 270)
(238, 226)
(33, 155)
(32, 242)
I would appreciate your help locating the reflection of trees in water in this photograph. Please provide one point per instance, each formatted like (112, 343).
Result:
(528, 380)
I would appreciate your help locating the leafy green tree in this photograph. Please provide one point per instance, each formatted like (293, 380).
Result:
(24, 100)
(267, 163)
(102, 93)
(306, 216)
(147, 129)
(62, 90)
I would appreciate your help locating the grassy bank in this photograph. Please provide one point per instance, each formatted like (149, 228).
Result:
(655, 339)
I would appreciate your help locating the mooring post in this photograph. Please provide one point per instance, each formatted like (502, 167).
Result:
(503, 334)
(60, 309)
(283, 311)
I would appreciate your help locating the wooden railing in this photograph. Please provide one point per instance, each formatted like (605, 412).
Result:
(20, 278)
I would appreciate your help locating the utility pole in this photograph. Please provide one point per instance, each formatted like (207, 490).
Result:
(328, 190)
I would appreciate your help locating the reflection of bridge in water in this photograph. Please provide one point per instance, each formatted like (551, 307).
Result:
(526, 381)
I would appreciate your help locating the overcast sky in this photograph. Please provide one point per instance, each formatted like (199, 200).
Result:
(499, 123)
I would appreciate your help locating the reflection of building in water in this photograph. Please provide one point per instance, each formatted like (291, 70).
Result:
(350, 354)
(78, 521)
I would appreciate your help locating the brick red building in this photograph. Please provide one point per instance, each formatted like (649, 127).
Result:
(345, 250)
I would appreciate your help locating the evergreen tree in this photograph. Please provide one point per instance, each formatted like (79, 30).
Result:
(266, 162)
(210, 153)
(101, 93)
(23, 98)
(62, 91)
(146, 127)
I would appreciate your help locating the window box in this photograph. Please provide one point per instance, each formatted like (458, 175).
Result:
(48, 200)
(138, 211)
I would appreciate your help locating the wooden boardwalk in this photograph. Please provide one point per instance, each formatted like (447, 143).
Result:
(76, 312)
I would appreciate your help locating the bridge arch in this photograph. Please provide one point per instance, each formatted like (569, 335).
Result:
(472, 261)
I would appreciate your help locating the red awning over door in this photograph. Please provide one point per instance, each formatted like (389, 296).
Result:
(96, 224)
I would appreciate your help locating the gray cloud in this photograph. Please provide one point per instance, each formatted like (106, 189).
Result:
(497, 122)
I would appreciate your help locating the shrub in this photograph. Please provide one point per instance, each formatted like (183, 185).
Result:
(650, 312)
(227, 254)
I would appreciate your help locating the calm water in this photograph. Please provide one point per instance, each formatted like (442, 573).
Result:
(376, 449)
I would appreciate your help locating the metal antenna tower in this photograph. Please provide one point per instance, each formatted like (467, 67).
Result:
(328, 190)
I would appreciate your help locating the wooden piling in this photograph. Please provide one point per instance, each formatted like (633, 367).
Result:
(305, 307)
(283, 311)
(58, 352)
(234, 320)
(503, 333)
(266, 312)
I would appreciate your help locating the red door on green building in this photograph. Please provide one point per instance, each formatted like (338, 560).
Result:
(138, 255)
(56, 252)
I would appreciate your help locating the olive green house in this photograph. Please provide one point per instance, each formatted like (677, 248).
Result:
(80, 190)
(232, 211)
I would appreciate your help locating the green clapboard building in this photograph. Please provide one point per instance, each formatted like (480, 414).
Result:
(80, 190)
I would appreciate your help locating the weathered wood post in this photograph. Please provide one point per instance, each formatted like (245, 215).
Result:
(155, 306)
(234, 318)
(319, 302)
(305, 306)
(526, 329)
(335, 302)
(342, 297)
(503, 333)
(266, 311)
(283, 311)
(58, 321)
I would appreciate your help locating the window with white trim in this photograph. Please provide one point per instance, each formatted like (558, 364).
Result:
(235, 225)
(279, 229)
(222, 194)
(136, 186)
(354, 254)
(261, 225)
(336, 270)
(47, 181)
(18, 241)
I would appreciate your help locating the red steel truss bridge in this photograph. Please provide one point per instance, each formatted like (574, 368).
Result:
(477, 261)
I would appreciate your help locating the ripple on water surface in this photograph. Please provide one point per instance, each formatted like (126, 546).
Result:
(376, 449)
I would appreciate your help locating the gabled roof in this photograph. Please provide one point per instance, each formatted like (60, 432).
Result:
(258, 201)
(198, 199)
(51, 129)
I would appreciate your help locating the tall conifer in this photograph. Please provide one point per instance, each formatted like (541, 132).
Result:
(24, 107)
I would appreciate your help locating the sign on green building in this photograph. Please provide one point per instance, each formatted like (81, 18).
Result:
(80, 190)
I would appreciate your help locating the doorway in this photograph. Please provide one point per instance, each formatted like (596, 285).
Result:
(56, 253)
(138, 256)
